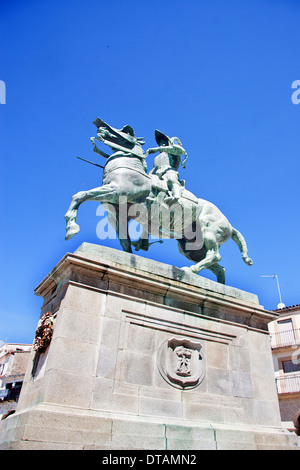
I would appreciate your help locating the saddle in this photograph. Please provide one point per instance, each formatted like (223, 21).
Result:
(160, 191)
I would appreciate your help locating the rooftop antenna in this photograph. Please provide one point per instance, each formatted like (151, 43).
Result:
(281, 304)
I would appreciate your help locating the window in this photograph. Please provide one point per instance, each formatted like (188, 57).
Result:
(286, 332)
(290, 366)
(287, 321)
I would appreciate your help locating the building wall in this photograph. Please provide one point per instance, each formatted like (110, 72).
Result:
(285, 344)
(13, 364)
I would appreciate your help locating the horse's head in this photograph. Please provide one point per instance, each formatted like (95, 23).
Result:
(116, 138)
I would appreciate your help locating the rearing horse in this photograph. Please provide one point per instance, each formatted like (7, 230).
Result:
(125, 181)
(124, 176)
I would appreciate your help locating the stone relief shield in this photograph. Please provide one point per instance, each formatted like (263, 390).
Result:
(180, 363)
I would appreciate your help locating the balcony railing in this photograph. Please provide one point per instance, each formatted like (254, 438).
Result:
(288, 383)
(286, 338)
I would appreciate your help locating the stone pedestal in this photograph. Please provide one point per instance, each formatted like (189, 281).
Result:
(146, 356)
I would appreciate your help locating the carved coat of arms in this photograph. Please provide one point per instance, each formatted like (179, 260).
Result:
(180, 362)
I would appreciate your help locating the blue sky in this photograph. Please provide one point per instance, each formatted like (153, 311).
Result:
(217, 74)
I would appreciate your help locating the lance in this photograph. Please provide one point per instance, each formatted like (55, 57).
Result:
(92, 163)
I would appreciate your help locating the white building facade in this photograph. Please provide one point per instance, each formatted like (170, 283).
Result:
(13, 363)
(285, 344)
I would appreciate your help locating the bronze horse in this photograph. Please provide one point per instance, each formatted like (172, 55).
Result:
(199, 226)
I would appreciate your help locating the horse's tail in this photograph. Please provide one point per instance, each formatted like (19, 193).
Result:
(238, 238)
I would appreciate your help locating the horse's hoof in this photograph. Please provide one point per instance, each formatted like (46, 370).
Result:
(141, 245)
(248, 260)
(137, 245)
(71, 231)
(187, 269)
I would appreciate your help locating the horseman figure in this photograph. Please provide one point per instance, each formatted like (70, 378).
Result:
(166, 165)
(158, 194)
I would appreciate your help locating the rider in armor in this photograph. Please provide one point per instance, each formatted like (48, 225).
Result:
(166, 165)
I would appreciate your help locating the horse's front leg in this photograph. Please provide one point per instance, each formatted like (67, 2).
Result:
(120, 226)
(122, 231)
(105, 193)
(71, 215)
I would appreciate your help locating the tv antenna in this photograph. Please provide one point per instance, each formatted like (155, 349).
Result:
(274, 276)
